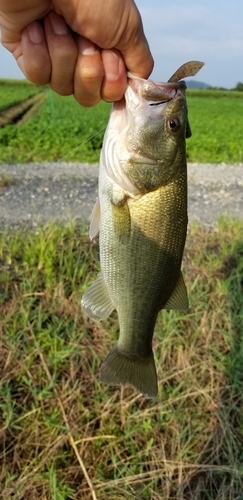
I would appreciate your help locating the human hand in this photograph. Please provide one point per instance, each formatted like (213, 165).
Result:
(77, 47)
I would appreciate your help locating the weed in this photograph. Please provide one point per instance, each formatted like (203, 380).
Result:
(6, 180)
(63, 434)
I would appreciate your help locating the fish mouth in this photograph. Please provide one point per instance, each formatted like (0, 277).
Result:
(155, 93)
(158, 103)
(177, 94)
(145, 96)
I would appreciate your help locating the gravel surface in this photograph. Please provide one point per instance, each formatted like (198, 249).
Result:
(60, 191)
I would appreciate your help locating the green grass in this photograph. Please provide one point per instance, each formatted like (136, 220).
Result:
(6, 82)
(61, 429)
(13, 91)
(62, 125)
(59, 128)
(216, 119)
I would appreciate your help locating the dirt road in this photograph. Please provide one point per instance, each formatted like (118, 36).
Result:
(60, 191)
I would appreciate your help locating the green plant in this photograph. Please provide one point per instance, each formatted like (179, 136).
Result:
(63, 434)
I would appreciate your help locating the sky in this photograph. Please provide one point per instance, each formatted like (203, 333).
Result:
(182, 30)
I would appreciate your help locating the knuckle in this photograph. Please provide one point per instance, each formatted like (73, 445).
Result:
(87, 100)
(90, 73)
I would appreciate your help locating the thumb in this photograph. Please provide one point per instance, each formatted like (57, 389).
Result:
(138, 58)
(135, 48)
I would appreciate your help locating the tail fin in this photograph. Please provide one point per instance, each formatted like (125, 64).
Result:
(119, 369)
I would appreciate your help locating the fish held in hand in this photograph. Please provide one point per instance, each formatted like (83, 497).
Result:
(141, 217)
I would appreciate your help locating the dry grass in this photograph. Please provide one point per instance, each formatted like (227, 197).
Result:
(6, 180)
(62, 434)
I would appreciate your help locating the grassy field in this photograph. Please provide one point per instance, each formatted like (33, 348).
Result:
(13, 91)
(61, 126)
(216, 119)
(63, 435)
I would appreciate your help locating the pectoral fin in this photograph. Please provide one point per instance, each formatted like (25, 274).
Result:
(96, 301)
(95, 220)
(188, 130)
(121, 221)
(178, 299)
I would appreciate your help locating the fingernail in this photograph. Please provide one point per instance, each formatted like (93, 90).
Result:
(58, 24)
(86, 47)
(111, 64)
(35, 33)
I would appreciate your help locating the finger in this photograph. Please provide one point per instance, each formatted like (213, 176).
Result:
(135, 49)
(138, 59)
(16, 16)
(88, 73)
(115, 76)
(63, 53)
(34, 59)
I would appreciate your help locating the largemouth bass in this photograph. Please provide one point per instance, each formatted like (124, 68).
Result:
(141, 217)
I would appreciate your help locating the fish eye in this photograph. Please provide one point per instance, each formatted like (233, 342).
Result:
(173, 124)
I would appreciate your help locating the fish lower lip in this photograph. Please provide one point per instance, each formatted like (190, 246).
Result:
(160, 102)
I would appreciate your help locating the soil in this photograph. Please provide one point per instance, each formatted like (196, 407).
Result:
(22, 111)
(34, 193)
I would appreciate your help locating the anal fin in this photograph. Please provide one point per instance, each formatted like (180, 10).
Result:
(96, 301)
(121, 221)
(178, 299)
